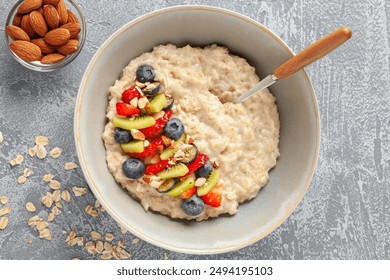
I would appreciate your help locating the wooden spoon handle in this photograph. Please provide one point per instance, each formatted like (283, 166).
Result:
(313, 52)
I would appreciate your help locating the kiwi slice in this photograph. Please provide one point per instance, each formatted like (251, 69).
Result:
(170, 151)
(136, 146)
(212, 180)
(182, 186)
(166, 186)
(175, 171)
(136, 123)
(157, 103)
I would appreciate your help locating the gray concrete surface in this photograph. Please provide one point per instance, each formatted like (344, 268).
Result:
(344, 215)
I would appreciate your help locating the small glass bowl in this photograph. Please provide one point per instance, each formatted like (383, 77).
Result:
(36, 65)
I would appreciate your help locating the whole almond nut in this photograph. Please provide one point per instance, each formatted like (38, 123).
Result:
(29, 6)
(69, 48)
(38, 23)
(72, 17)
(17, 33)
(50, 2)
(52, 58)
(26, 50)
(51, 16)
(57, 37)
(74, 29)
(62, 12)
(45, 47)
(17, 20)
(26, 26)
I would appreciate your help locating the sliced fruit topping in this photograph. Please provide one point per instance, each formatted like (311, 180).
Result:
(197, 163)
(130, 94)
(122, 135)
(188, 193)
(214, 197)
(157, 103)
(173, 148)
(152, 89)
(157, 167)
(175, 171)
(193, 206)
(169, 104)
(145, 73)
(136, 146)
(188, 153)
(133, 168)
(153, 148)
(136, 123)
(205, 170)
(157, 128)
(212, 180)
(174, 128)
(166, 186)
(182, 186)
(126, 110)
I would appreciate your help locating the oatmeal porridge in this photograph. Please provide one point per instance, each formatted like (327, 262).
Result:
(176, 142)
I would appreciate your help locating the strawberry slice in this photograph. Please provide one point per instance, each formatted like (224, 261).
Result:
(125, 110)
(157, 167)
(188, 193)
(129, 94)
(197, 163)
(158, 127)
(154, 147)
(214, 197)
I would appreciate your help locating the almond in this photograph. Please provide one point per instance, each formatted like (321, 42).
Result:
(29, 6)
(51, 16)
(38, 23)
(62, 12)
(74, 29)
(45, 47)
(40, 10)
(52, 58)
(69, 48)
(26, 50)
(16, 33)
(26, 26)
(57, 37)
(72, 17)
(17, 20)
(50, 2)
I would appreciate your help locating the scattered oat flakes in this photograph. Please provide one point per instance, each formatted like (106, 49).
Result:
(97, 203)
(70, 165)
(106, 256)
(99, 246)
(26, 172)
(95, 235)
(32, 152)
(135, 241)
(45, 233)
(41, 225)
(41, 151)
(30, 207)
(34, 221)
(65, 195)
(89, 210)
(1, 137)
(41, 140)
(58, 205)
(17, 160)
(51, 217)
(55, 211)
(79, 191)
(72, 239)
(56, 152)
(47, 200)
(109, 236)
(54, 185)
(76, 258)
(48, 177)
(22, 179)
(5, 210)
(56, 195)
(3, 200)
(122, 228)
(107, 247)
(3, 222)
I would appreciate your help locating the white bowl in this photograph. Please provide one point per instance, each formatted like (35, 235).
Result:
(299, 116)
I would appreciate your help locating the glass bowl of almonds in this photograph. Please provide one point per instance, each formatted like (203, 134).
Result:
(45, 35)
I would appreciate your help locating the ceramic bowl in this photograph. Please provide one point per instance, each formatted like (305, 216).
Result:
(299, 135)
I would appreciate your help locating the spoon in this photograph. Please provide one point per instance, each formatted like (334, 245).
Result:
(307, 56)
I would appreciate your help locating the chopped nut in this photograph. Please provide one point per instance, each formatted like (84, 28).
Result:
(41, 140)
(146, 143)
(139, 84)
(5, 210)
(22, 179)
(41, 151)
(65, 195)
(3, 222)
(79, 191)
(139, 90)
(158, 115)
(137, 135)
(134, 102)
(143, 102)
(56, 152)
(167, 141)
(216, 164)
(3, 200)
(30, 207)
(155, 184)
(200, 181)
(70, 165)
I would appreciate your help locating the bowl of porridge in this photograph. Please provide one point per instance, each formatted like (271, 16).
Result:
(168, 152)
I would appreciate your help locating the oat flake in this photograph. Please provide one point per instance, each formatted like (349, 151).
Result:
(27, 172)
(22, 179)
(70, 165)
(48, 177)
(56, 152)
(47, 200)
(5, 210)
(95, 235)
(30, 207)
(65, 195)
(3, 200)
(41, 151)
(17, 160)
(79, 191)
(50, 217)
(32, 152)
(41, 140)
(3, 222)
(109, 236)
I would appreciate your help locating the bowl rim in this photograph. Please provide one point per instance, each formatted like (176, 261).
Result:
(47, 67)
(92, 183)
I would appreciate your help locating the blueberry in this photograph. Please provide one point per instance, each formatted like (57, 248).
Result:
(145, 73)
(174, 128)
(133, 168)
(122, 136)
(193, 206)
(205, 170)
(153, 92)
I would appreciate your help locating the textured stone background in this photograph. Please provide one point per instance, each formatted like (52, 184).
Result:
(344, 215)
